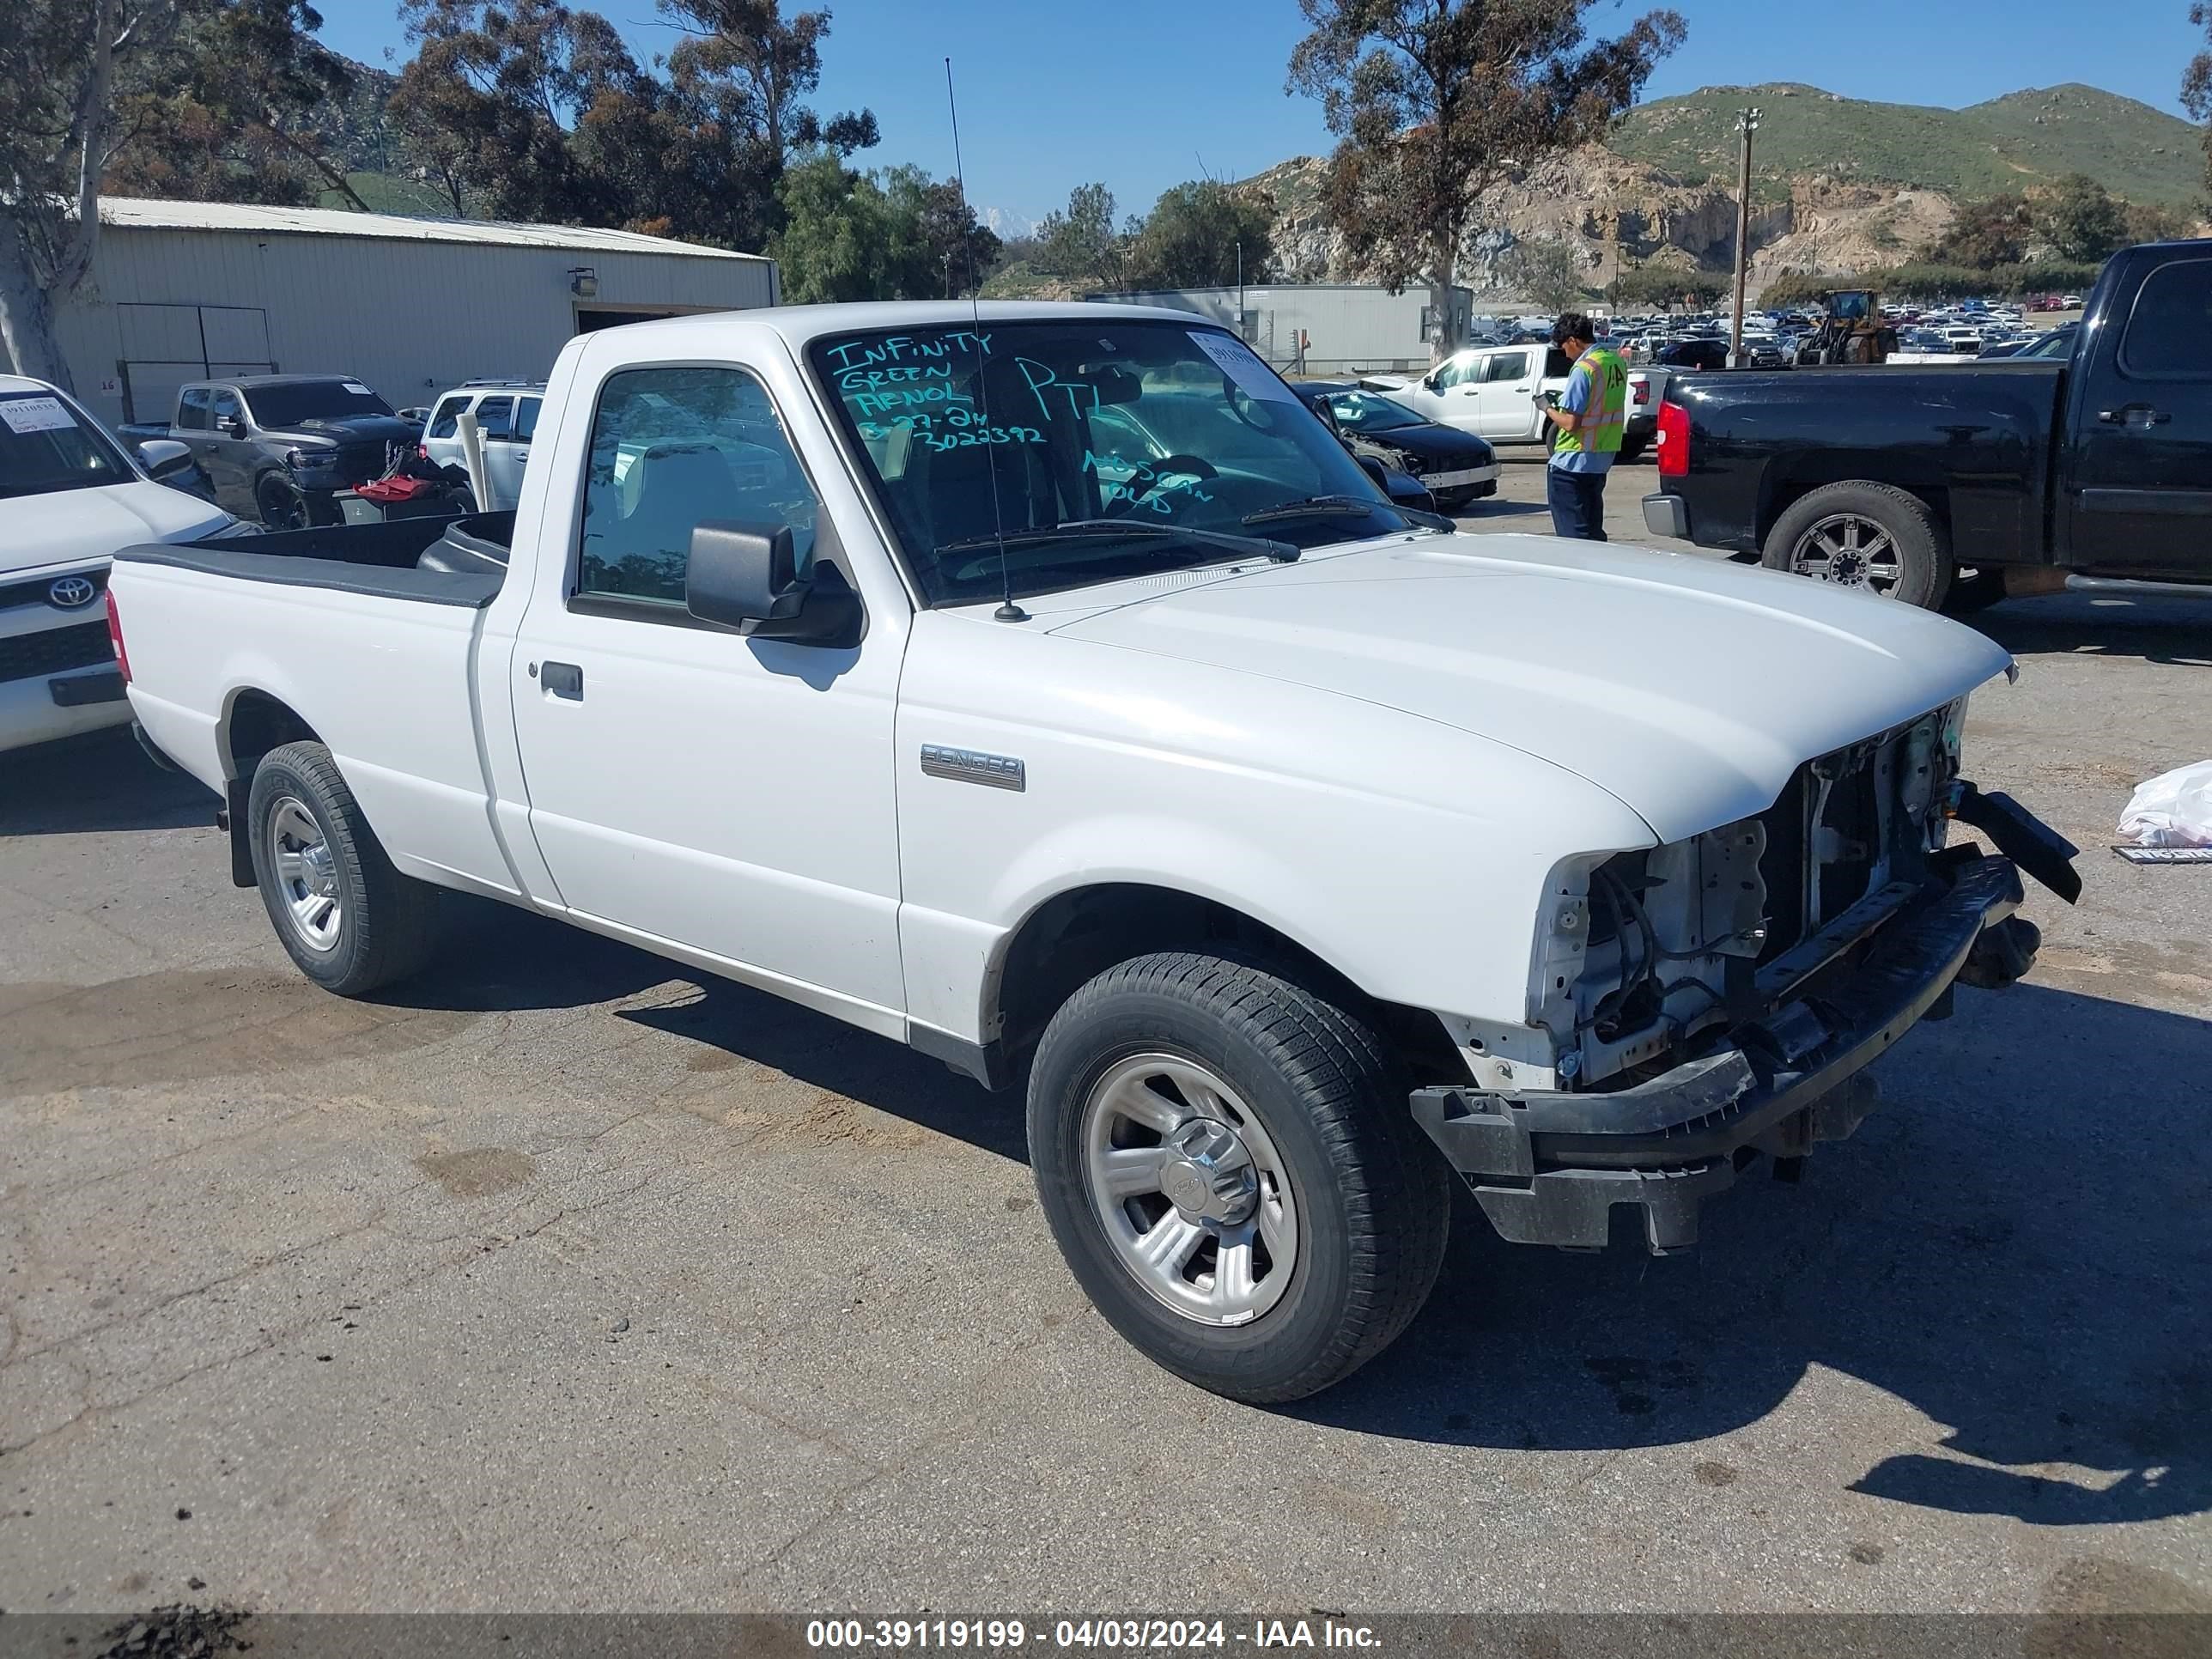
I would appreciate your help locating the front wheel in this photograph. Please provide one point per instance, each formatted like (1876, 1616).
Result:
(1231, 1170)
(278, 504)
(1871, 537)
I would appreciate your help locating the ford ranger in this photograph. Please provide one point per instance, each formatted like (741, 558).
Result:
(1958, 485)
(1294, 851)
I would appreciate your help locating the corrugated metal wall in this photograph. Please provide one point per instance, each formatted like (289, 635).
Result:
(408, 318)
(1350, 328)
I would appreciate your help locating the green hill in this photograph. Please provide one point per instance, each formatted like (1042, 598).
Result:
(2015, 142)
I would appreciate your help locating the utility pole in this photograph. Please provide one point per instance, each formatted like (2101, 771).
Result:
(1747, 123)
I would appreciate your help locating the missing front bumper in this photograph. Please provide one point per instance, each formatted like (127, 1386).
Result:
(1550, 1167)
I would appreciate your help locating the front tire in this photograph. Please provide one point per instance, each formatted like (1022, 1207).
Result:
(278, 505)
(1872, 536)
(1227, 1164)
(350, 921)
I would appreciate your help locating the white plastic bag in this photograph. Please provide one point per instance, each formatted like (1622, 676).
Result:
(2174, 809)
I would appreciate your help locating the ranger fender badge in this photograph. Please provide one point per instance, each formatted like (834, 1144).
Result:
(969, 766)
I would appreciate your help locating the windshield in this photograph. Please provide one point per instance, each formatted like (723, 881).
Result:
(312, 400)
(45, 446)
(967, 434)
(1368, 412)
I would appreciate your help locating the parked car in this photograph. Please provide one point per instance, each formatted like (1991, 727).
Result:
(279, 447)
(416, 414)
(2035, 473)
(506, 417)
(1697, 356)
(1456, 467)
(1296, 854)
(69, 495)
(1488, 390)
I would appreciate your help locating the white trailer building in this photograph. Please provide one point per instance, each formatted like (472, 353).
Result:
(1323, 328)
(192, 290)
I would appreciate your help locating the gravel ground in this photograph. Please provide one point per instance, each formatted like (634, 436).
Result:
(561, 1279)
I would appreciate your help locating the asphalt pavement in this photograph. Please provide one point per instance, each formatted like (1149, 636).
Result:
(563, 1279)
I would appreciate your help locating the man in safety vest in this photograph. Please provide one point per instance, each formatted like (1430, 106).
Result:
(1589, 420)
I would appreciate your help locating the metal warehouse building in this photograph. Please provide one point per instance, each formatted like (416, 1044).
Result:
(1346, 327)
(192, 290)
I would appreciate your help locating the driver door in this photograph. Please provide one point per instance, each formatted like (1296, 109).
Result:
(1509, 381)
(1450, 395)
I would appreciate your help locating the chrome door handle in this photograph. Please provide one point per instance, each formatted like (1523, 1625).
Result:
(2135, 414)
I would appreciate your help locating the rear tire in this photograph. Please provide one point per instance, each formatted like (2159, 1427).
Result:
(1348, 1203)
(1872, 536)
(349, 921)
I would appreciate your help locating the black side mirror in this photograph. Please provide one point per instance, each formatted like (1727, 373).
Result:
(1373, 467)
(230, 426)
(746, 576)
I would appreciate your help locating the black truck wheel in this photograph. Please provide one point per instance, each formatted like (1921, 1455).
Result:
(278, 504)
(1869, 536)
(1229, 1169)
(349, 921)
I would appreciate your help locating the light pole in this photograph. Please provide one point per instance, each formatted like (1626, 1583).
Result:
(1747, 123)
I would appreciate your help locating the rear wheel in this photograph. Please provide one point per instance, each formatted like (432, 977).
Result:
(1230, 1168)
(1871, 537)
(349, 921)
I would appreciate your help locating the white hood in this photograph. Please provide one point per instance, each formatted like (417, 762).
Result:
(71, 526)
(1689, 689)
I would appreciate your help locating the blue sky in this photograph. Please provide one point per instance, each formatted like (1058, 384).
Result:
(1145, 93)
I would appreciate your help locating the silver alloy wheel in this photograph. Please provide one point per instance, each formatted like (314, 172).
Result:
(1193, 1194)
(307, 874)
(1851, 551)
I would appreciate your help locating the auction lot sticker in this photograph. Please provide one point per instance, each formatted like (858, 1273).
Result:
(35, 414)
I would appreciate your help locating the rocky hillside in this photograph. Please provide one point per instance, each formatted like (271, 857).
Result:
(1841, 185)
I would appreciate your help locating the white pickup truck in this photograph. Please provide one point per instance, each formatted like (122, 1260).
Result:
(1491, 391)
(1297, 852)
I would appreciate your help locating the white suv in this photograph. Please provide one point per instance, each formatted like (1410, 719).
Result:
(507, 410)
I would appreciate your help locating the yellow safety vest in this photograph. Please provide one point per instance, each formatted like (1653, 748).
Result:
(1605, 418)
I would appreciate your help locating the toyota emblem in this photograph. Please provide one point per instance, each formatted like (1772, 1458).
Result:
(68, 592)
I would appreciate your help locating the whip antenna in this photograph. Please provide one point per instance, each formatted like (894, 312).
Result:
(1007, 610)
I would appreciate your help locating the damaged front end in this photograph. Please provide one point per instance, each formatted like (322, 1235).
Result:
(1694, 1005)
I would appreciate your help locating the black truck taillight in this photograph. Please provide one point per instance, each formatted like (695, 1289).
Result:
(1674, 441)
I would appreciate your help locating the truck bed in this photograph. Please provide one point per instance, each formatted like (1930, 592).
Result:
(386, 560)
(380, 660)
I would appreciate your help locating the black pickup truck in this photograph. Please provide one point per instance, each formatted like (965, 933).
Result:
(1951, 486)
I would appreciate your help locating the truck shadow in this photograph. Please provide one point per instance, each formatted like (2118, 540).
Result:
(2172, 631)
(2018, 1245)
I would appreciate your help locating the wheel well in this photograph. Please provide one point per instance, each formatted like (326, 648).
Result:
(257, 723)
(1075, 936)
(1785, 493)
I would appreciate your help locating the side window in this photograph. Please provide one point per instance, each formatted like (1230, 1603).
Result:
(225, 406)
(447, 423)
(2169, 334)
(193, 409)
(1506, 366)
(671, 449)
(525, 419)
(1457, 371)
(495, 417)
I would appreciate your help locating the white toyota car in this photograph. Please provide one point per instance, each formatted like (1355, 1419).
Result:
(69, 495)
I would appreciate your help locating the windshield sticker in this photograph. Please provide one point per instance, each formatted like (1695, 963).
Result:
(1235, 359)
(356, 388)
(36, 415)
